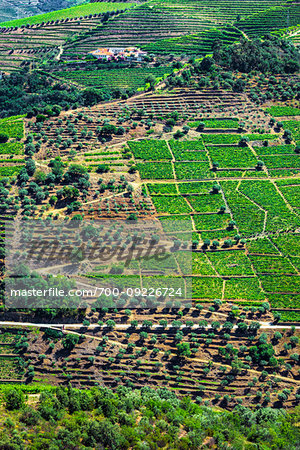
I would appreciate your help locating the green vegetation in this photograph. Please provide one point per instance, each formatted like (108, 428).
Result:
(171, 204)
(249, 217)
(161, 189)
(232, 156)
(231, 263)
(221, 138)
(70, 13)
(35, 93)
(277, 111)
(176, 223)
(150, 150)
(261, 137)
(206, 288)
(290, 316)
(11, 131)
(206, 202)
(274, 149)
(291, 193)
(188, 150)
(281, 284)
(264, 22)
(14, 128)
(203, 187)
(243, 288)
(284, 161)
(11, 148)
(157, 20)
(153, 171)
(199, 155)
(215, 123)
(294, 127)
(283, 301)
(289, 244)
(10, 368)
(107, 420)
(195, 44)
(266, 196)
(276, 57)
(122, 78)
(191, 170)
(262, 246)
(272, 264)
(211, 221)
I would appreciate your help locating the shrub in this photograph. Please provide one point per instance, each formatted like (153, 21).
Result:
(14, 399)
(102, 168)
(3, 137)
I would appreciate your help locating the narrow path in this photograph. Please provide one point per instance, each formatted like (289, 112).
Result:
(283, 198)
(98, 200)
(258, 206)
(264, 325)
(172, 161)
(57, 58)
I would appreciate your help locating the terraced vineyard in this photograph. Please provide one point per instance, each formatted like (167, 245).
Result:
(69, 13)
(209, 155)
(11, 151)
(150, 352)
(11, 363)
(223, 214)
(279, 111)
(158, 20)
(123, 78)
(74, 32)
(272, 19)
(19, 46)
(196, 44)
(12, 9)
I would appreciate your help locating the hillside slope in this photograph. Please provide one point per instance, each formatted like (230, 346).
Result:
(17, 9)
(262, 23)
(48, 32)
(157, 20)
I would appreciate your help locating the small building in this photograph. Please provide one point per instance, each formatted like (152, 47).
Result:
(104, 54)
(119, 54)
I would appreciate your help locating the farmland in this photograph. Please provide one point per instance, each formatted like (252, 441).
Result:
(221, 138)
(11, 9)
(150, 150)
(246, 207)
(229, 157)
(275, 149)
(279, 111)
(195, 44)
(269, 20)
(171, 205)
(11, 363)
(47, 34)
(151, 171)
(191, 170)
(216, 123)
(294, 127)
(157, 20)
(11, 150)
(69, 13)
(173, 181)
(221, 215)
(124, 78)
